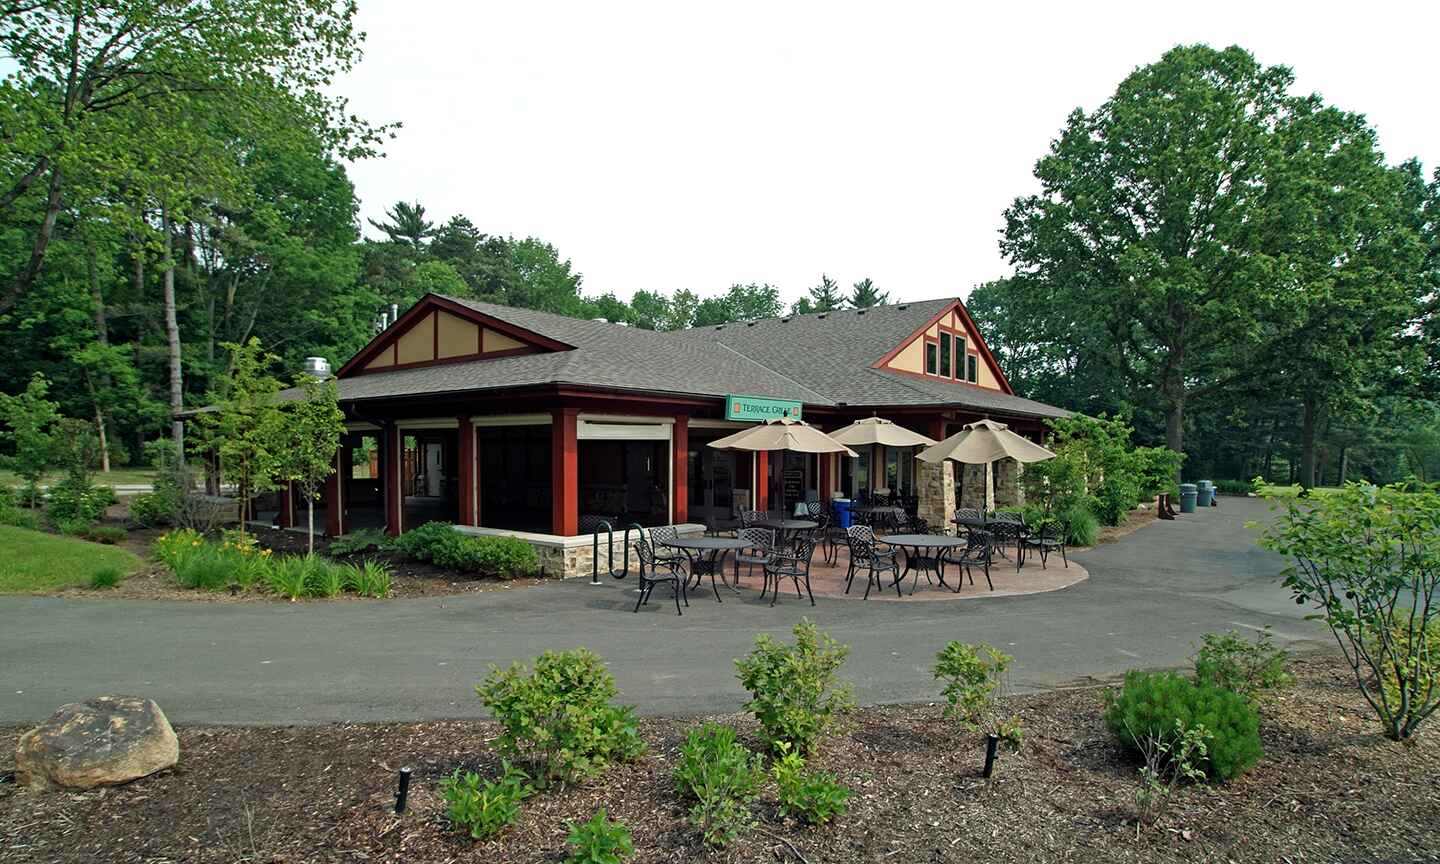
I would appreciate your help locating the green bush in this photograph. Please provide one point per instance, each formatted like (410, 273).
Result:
(68, 502)
(73, 527)
(601, 840)
(323, 579)
(1252, 669)
(440, 544)
(151, 510)
(1234, 487)
(368, 579)
(813, 797)
(972, 674)
(722, 778)
(1150, 706)
(794, 692)
(171, 548)
(106, 577)
(12, 514)
(362, 541)
(558, 718)
(484, 807)
(1083, 529)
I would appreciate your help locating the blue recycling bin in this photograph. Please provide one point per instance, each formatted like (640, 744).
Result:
(1205, 493)
(842, 511)
(1188, 493)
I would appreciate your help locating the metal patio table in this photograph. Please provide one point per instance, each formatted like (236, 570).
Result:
(891, 513)
(922, 553)
(706, 555)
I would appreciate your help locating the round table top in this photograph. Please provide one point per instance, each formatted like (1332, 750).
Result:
(707, 543)
(787, 524)
(936, 540)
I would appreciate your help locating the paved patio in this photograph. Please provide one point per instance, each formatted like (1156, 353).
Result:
(1148, 599)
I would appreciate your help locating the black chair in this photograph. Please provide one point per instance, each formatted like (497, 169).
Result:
(1008, 529)
(1045, 539)
(661, 534)
(978, 552)
(866, 553)
(760, 550)
(653, 571)
(914, 525)
(831, 534)
(748, 518)
(795, 564)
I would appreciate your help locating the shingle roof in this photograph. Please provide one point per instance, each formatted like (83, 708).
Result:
(818, 359)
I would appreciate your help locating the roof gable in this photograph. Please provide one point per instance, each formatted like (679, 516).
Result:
(948, 348)
(439, 330)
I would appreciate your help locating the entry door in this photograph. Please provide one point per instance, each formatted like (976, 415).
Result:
(434, 468)
(714, 501)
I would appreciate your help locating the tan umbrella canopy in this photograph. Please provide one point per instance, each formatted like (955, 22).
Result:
(984, 442)
(782, 433)
(877, 430)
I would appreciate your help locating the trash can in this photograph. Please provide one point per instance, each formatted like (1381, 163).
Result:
(1205, 493)
(1188, 493)
(842, 512)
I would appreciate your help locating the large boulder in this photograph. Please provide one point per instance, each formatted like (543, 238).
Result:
(104, 741)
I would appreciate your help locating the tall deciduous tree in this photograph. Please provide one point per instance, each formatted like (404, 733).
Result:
(246, 426)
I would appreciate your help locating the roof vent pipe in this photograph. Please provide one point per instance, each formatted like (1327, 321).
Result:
(317, 367)
(394, 312)
(384, 321)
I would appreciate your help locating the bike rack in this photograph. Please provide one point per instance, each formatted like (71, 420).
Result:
(610, 551)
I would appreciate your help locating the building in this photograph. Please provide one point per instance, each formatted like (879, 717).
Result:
(514, 421)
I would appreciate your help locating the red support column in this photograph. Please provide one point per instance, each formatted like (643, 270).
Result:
(334, 503)
(394, 495)
(564, 474)
(466, 474)
(827, 463)
(680, 472)
(286, 518)
(762, 481)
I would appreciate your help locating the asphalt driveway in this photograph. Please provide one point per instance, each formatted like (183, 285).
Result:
(1149, 598)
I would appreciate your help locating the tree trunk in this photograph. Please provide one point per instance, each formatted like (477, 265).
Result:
(310, 515)
(102, 335)
(1175, 430)
(172, 338)
(1344, 464)
(104, 447)
(27, 276)
(1307, 444)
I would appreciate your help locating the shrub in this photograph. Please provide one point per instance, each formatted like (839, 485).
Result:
(793, 688)
(723, 778)
(368, 579)
(19, 517)
(440, 544)
(1234, 487)
(151, 510)
(1252, 669)
(362, 541)
(68, 501)
(208, 567)
(323, 579)
(289, 577)
(1369, 559)
(814, 797)
(558, 718)
(1084, 528)
(484, 807)
(107, 534)
(1169, 758)
(1151, 705)
(972, 674)
(106, 577)
(171, 548)
(73, 527)
(601, 840)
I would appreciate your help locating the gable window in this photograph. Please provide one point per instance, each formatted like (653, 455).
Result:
(931, 350)
(972, 368)
(945, 355)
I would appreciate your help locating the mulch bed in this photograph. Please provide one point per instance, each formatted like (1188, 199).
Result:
(1329, 789)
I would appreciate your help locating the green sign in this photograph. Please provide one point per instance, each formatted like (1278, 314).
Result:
(757, 408)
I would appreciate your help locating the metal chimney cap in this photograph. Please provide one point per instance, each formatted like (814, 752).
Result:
(317, 366)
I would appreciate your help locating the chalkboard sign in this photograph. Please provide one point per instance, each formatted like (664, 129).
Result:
(794, 484)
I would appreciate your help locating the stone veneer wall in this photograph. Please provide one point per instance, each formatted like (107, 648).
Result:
(936, 493)
(571, 557)
(975, 488)
(1008, 492)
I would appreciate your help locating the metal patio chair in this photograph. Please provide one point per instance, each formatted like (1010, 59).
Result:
(1048, 537)
(760, 550)
(659, 535)
(865, 553)
(654, 571)
(978, 552)
(748, 518)
(795, 565)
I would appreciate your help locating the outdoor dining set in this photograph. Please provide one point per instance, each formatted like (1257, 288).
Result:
(885, 541)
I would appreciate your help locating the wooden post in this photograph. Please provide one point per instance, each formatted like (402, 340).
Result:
(762, 481)
(564, 474)
(680, 471)
(334, 495)
(392, 472)
(287, 507)
(466, 474)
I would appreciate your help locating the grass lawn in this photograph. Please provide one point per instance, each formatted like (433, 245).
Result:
(34, 561)
(118, 477)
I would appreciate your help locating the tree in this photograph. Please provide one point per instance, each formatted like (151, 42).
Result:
(83, 64)
(1152, 221)
(407, 226)
(311, 437)
(32, 420)
(247, 428)
(864, 295)
(825, 297)
(750, 302)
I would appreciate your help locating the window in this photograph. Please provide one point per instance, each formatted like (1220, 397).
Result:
(972, 368)
(930, 352)
(945, 355)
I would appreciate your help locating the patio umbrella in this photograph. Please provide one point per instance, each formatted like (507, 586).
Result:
(877, 430)
(782, 433)
(983, 442)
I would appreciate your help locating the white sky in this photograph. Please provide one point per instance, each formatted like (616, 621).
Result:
(678, 145)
